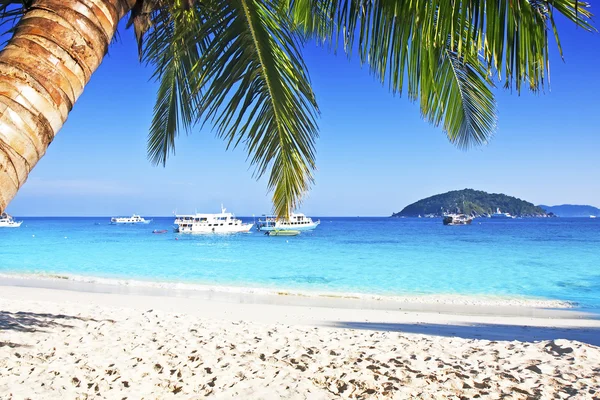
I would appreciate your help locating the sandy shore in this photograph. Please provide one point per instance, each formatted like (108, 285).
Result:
(66, 344)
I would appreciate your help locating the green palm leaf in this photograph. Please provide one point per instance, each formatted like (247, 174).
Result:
(257, 92)
(236, 65)
(406, 44)
(512, 34)
(173, 48)
(461, 98)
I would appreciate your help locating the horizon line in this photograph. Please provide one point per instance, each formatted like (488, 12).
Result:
(168, 216)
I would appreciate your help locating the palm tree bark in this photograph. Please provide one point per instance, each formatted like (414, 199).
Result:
(57, 46)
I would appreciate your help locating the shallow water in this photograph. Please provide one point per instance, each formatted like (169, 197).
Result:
(555, 258)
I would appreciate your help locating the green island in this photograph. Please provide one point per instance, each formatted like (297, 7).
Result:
(471, 202)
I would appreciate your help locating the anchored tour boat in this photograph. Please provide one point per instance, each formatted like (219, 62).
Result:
(6, 221)
(501, 215)
(457, 219)
(210, 223)
(296, 222)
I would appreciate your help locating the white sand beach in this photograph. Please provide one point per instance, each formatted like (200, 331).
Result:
(73, 344)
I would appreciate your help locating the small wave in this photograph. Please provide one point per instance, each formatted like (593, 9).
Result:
(302, 279)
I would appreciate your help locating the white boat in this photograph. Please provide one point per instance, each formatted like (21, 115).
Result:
(210, 223)
(592, 216)
(296, 222)
(499, 214)
(457, 219)
(134, 219)
(6, 221)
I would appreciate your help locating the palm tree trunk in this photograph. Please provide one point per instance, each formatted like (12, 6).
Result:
(56, 47)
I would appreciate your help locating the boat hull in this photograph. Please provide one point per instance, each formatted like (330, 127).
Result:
(307, 227)
(10, 224)
(459, 223)
(205, 229)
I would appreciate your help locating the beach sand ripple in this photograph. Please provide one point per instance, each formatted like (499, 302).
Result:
(79, 351)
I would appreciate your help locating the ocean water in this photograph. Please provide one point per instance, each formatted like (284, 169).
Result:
(555, 258)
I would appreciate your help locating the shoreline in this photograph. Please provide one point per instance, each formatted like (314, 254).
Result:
(448, 304)
(58, 343)
(516, 323)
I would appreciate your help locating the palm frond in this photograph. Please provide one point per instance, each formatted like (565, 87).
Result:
(512, 34)
(460, 97)
(406, 45)
(173, 49)
(11, 12)
(141, 18)
(309, 17)
(257, 92)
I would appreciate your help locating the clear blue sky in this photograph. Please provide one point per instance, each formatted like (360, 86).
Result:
(375, 153)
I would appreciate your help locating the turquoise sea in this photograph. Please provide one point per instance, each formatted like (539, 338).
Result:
(554, 258)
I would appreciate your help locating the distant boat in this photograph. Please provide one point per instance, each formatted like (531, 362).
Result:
(6, 221)
(134, 219)
(160, 231)
(296, 222)
(210, 223)
(592, 216)
(500, 215)
(457, 219)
